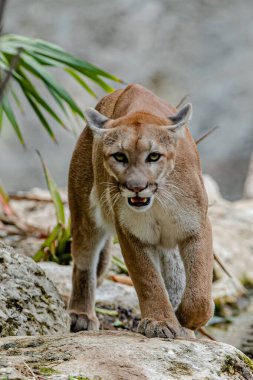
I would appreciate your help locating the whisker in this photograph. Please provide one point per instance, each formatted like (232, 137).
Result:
(116, 200)
(175, 190)
(110, 184)
(160, 200)
(168, 197)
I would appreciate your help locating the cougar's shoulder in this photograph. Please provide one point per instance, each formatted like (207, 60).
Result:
(107, 104)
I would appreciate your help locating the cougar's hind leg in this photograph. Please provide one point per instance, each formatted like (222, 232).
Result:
(173, 273)
(86, 247)
(104, 261)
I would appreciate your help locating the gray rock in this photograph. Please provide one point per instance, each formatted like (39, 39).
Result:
(29, 302)
(232, 224)
(121, 356)
(239, 333)
(109, 294)
(112, 293)
(248, 186)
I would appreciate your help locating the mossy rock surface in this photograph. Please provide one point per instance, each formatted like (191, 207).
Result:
(29, 302)
(120, 356)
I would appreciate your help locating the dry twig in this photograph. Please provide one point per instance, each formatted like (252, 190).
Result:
(125, 280)
(34, 198)
(203, 331)
(211, 130)
(182, 100)
(30, 370)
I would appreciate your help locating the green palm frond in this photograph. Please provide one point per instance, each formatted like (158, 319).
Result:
(56, 247)
(35, 57)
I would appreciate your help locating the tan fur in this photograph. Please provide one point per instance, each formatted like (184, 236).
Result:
(176, 219)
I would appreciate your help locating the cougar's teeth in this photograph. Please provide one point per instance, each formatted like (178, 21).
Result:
(137, 199)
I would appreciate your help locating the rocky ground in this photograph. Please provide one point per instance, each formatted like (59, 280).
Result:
(120, 356)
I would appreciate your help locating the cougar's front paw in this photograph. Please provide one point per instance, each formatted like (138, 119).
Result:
(81, 321)
(195, 315)
(162, 329)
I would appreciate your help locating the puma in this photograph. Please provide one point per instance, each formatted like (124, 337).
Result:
(136, 172)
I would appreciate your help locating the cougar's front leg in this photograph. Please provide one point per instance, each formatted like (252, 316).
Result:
(158, 317)
(197, 306)
(86, 248)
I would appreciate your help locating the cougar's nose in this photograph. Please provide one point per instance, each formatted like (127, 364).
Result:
(136, 187)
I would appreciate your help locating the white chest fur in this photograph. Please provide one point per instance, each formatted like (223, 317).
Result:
(159, 226)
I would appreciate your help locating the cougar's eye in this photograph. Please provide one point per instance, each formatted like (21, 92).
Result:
(120, 157)
(154, 156)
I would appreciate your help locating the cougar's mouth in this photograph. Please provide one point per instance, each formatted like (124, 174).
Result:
(138, 201)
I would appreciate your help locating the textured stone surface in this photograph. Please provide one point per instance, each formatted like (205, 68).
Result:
(108, 294)
(239, 333)
(232, 224)
(121, 356)
(29, 302)
(248, 186)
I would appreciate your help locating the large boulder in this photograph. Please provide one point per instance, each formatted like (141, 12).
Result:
(29, 301)
(120, 356)
(232, 224)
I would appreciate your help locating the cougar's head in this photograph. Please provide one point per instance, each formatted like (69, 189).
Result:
(139, 152)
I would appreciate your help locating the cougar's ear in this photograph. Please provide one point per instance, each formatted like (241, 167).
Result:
(181, 117)
(95, 120)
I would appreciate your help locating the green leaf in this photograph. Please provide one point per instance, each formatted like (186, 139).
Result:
(22, 79)
(17, 100)
(46, 61)
(40, 116)
(1, 116)
(120, 264)
(58, 204)
(35, 68)
(101, 83)
(10, 115)
(28, 88)
(118, 323)
(62, 241)
(57, 98)
(81, 82)
(39, 255)
(4, 194)
(111, 313)
(68, 228)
